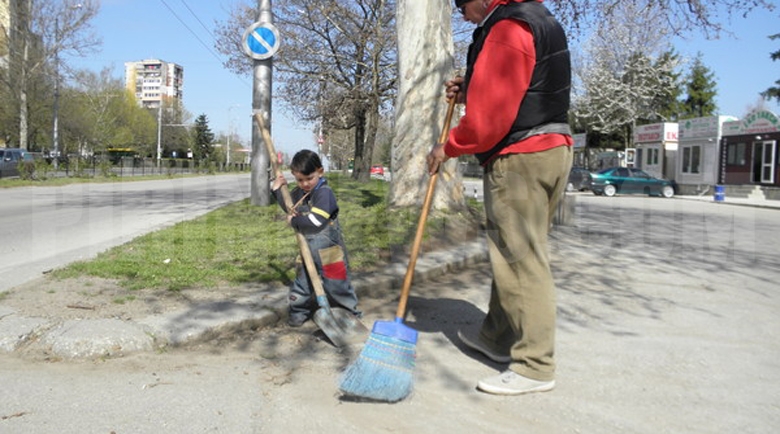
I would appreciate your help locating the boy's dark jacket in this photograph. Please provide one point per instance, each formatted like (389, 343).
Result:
(315, 212)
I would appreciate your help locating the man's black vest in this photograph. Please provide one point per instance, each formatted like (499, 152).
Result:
(546, 104)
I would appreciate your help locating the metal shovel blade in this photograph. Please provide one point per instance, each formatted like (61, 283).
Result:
(340, 326)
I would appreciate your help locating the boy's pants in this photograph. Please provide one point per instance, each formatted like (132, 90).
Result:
(330, 259)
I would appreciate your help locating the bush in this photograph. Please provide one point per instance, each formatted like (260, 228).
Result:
(42, 169)
(26, 170)
(105, 167)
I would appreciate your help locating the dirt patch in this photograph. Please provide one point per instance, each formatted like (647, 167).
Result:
(88, 297)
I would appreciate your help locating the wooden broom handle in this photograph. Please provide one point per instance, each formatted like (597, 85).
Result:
(407, 285)
(308, 261)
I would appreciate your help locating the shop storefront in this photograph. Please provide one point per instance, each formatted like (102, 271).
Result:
(698, 153)
(656, 149)
(749, 150)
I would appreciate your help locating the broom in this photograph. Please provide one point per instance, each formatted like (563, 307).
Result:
(384, 369)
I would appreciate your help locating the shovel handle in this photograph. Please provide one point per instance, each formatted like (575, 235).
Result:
(407, 285)
(308, 261)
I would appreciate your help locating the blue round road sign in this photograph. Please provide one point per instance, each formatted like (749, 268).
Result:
(261, 41)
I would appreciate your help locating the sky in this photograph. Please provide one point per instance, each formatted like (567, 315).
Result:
(740, 62)
(181, 31)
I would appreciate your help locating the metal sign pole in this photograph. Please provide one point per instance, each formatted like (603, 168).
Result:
(261, 103)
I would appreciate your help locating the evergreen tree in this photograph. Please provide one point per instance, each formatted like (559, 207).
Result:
(701, 89)
(774, 91)
(204, 139)
(667, 103)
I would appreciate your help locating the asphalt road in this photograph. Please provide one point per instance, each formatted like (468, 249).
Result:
(42, 228)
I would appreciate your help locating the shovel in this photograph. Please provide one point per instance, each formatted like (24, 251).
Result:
(338, 324)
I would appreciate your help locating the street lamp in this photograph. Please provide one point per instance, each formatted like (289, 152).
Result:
(230, 133)
(159, 133)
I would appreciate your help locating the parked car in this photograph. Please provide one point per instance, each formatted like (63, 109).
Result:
(378, 171)
(626, 180)
(471, 169)
(10, 159)
(579, 179)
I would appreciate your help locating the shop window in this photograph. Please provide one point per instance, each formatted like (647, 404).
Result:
(691, 159)
(652, 157)
(736, 154)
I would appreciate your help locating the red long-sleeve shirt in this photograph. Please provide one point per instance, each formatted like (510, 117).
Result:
(499, 81)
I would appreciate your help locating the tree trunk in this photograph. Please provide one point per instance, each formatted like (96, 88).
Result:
(23, 116)
(360, 169)
(23, 105)
(372, 125)
(424, 63)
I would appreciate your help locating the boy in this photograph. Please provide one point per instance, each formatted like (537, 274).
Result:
(315, 216)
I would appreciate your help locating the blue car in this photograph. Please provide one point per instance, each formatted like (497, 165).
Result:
(10, 159)
(627, 180)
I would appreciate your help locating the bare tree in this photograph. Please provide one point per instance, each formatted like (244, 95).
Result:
(337, 66)
(43, 33)
(679, 17)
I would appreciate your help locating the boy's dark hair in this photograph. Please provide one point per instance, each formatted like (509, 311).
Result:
(305, 162)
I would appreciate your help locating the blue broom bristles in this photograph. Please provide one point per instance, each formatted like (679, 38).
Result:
(384, 371)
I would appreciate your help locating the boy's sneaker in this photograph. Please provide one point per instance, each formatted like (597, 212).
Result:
(473, 341)
(296, 321)
(512, 383)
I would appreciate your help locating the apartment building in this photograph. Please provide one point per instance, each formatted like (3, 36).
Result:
(153, 80)
(5, 31)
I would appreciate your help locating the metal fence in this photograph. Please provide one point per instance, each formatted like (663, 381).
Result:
(134, 166)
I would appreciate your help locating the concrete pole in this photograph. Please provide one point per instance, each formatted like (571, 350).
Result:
(261, 103)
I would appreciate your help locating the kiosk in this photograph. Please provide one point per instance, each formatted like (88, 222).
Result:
(656, 149)
(698, 154)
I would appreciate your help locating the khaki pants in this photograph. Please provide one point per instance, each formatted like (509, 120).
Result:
(521, 195)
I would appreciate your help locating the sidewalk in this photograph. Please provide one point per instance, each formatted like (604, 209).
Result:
(742, 201)
(109, 337)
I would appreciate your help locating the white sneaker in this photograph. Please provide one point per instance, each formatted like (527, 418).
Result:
(512, 383)
(473, 341)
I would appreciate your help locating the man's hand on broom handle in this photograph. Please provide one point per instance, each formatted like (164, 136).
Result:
(437, 156)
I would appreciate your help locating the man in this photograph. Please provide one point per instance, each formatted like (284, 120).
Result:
(516, 91)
